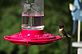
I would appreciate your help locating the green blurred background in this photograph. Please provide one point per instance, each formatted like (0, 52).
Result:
(56, 12)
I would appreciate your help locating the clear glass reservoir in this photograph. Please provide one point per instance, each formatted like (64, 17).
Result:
(32, 15)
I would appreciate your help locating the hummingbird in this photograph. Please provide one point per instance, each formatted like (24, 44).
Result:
(62, 31)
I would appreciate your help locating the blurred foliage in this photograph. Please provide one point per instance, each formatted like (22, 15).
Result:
(56, 12)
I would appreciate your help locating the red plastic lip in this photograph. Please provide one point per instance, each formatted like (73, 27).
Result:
(41, 41)
(32, 37)
(15, 40)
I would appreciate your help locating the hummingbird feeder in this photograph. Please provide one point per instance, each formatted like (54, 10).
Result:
(32, 32)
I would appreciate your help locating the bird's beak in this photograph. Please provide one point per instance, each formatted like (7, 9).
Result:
(72, 7)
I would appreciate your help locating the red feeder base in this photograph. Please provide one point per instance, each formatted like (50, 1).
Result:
(32, 37)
